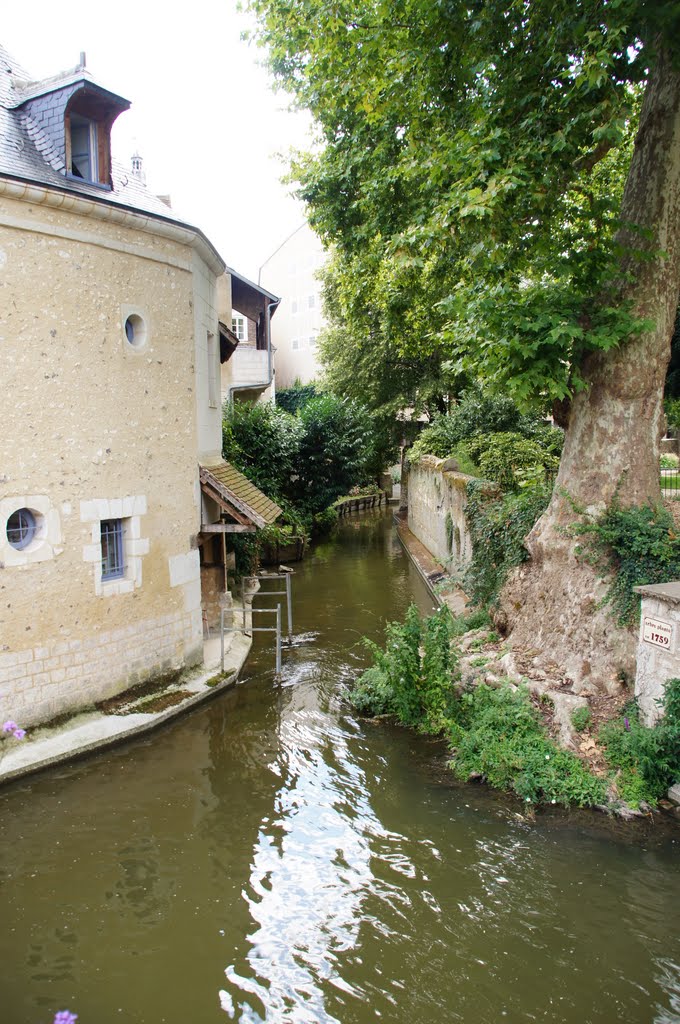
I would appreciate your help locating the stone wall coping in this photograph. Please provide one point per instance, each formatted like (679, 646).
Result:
(449, 468)
(669, 592)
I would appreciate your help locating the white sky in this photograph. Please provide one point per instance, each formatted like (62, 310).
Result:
(204, 116)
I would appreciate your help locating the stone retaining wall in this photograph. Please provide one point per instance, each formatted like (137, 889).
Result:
(436, 510)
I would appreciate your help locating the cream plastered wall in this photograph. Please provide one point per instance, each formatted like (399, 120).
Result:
(291, 272)
(207, 356)
(94, 427)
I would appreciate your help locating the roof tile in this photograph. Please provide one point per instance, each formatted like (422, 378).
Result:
(245, 491)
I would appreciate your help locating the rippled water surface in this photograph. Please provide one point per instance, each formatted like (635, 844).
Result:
(272, 858)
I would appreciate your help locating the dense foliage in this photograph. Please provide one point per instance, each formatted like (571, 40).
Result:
(498, 525)
(497, 734)
(293, 398)
(411, 677)
(647, 760)
(493, 438)
(361, 355)
(633, 546)
(263, 442)
(511, 460)
(307, 460)
(469, 174)
(494, 733)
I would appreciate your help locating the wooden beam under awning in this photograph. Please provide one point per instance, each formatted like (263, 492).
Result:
(227, 528)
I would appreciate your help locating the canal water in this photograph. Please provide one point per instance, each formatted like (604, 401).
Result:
(273, 858)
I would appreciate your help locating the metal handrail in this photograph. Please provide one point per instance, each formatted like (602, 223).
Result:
(274, 593)
(253, 629)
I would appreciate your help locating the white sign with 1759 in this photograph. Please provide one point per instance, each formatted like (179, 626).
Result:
(658, 632)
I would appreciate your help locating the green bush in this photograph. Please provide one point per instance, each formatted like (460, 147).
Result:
(495, 733)
(335, 445)
(668, 461)
(498, 526)
(511, 460)
(305, 461)
(477, 414)
(295, 397)
(638, 545)
(411, 677)
(264, 443)
(581, 719)
(498, 734)
(647, 759)
(324, 522)
(672, 410)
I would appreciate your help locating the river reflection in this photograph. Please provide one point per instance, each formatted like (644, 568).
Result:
(271, 858)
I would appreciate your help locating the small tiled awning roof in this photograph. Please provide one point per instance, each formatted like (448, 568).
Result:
(237, 495)
(228, 342)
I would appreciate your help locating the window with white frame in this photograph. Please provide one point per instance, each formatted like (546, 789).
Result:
(30, 530)
(296, 343)
(84, 148)
(311, 301)
(239, 326)
(294, 306)
(113, 559)
(116, 547)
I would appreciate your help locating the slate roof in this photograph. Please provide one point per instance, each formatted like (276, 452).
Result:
(27, 153)
(232, 484)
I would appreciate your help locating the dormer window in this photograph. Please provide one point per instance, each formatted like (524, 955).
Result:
(84, 148)
(74, 116)
(88, 117)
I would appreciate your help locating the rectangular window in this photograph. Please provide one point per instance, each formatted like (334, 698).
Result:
(239, 326)
(312, 341)
(113, 567)
(83, 148)
(311, 301)
(296, 343)
(293, 306)
(212, 372)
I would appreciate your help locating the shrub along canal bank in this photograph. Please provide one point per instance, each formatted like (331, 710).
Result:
(274, 856)
(447, 675)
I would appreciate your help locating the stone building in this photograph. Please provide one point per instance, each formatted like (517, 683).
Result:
(111, 477)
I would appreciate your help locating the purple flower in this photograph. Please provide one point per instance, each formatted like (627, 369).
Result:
(9, 726)
(65, 1017)
(626, 725)
(19, 734)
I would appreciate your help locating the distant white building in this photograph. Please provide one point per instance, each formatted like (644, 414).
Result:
(291, 271)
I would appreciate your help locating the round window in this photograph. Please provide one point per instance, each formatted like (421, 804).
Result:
(21, 527)
(135, 330)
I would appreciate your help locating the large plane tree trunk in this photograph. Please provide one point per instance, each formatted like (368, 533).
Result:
(552, 604)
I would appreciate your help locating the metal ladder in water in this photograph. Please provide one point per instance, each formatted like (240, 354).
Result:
(288, 592)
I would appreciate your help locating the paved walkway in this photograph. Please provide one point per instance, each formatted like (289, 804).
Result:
(443, 589)
(131, 714)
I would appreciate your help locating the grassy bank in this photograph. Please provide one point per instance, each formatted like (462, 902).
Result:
(501, 734)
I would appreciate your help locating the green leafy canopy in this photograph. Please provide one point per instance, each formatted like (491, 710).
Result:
(469, 172)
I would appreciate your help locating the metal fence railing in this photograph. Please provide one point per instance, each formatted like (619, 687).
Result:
(670, 483)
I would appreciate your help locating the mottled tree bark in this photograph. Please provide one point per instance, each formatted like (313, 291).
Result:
(552, 604)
